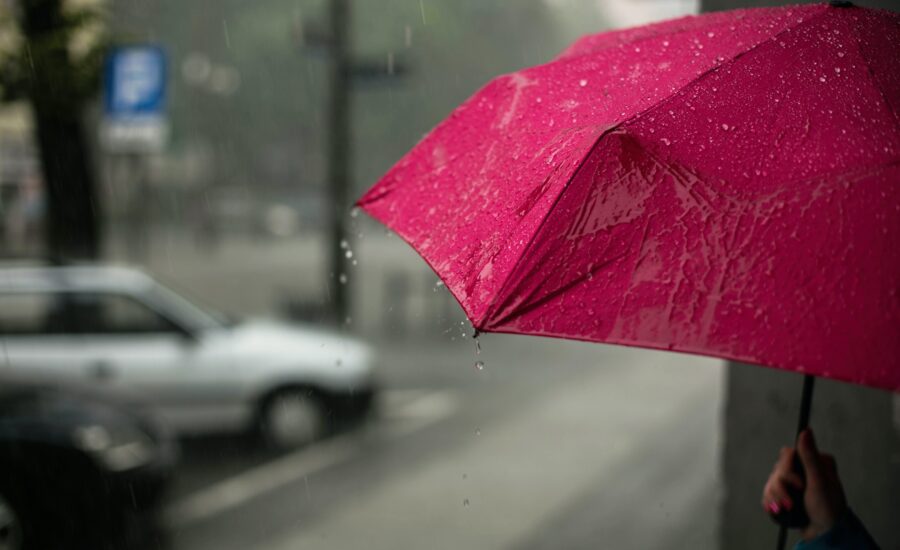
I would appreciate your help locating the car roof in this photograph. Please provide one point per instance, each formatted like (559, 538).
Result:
(83, 278)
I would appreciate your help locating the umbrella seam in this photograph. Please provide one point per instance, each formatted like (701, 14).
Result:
(491, 308)
(855, 32)
(713, 70)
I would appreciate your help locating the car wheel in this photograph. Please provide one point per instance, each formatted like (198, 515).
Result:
(292, 418)
(10, 527)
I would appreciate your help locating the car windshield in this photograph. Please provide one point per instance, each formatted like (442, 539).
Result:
(186, 311)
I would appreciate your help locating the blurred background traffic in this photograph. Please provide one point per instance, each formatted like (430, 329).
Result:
(249, 362)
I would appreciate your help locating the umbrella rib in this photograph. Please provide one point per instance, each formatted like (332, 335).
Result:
(497, 301)
(874, 80)
(715, 68)
(492, 308)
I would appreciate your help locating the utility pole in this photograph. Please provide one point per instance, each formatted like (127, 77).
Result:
(339, 153)
(346, 74)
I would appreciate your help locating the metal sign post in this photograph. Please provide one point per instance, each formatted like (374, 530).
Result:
(134, 126)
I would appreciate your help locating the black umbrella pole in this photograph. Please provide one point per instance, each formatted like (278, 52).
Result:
(809, 382)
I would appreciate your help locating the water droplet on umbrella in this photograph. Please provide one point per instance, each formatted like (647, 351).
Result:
(582, 83)
(725, 127)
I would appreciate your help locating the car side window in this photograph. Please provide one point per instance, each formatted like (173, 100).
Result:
(94, 313)
(32, 313)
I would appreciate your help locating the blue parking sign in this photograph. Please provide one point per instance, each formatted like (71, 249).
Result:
(134, 100)
(135, 82)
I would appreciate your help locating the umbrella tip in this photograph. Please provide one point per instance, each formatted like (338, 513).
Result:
(840, 3)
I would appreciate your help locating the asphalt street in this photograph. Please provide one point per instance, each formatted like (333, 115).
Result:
(552, 444)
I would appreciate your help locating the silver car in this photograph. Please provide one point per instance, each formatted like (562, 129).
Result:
(199, 372)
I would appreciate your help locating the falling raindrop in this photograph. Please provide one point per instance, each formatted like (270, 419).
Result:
(344, 244)
(479, 365)
(477, 431)
(343, 279)
(477, 346)
(354, 212)
(466, 503)
(348, 254)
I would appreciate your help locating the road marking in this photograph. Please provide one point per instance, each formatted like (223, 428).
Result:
(406, 414)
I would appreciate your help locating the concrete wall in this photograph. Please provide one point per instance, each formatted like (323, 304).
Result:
(858, 425)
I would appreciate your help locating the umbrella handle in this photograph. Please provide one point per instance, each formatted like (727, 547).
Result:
(796, 516)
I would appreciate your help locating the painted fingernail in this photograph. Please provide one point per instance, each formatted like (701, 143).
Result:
(774, 508)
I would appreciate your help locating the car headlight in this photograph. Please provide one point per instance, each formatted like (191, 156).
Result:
(119, 448)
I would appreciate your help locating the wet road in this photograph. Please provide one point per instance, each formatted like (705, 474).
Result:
(553, 445)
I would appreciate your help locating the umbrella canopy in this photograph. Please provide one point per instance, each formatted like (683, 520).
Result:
(726, 185)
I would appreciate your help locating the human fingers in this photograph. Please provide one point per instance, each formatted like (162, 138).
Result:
(784, 468)
(785, 459)
(776, 496)
(809, 456)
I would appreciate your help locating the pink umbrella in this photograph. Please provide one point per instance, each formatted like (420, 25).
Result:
(725, 185)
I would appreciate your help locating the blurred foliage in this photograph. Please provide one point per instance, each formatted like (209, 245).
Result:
(61, 60)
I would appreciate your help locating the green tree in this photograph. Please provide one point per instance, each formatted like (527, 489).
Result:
(51, 55)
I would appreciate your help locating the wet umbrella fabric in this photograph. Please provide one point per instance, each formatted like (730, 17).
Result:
(726, 185)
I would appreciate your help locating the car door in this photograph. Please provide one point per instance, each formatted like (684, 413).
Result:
(130, 346)
(36, 342)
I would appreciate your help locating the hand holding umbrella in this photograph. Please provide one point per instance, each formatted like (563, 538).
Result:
(821, 494)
